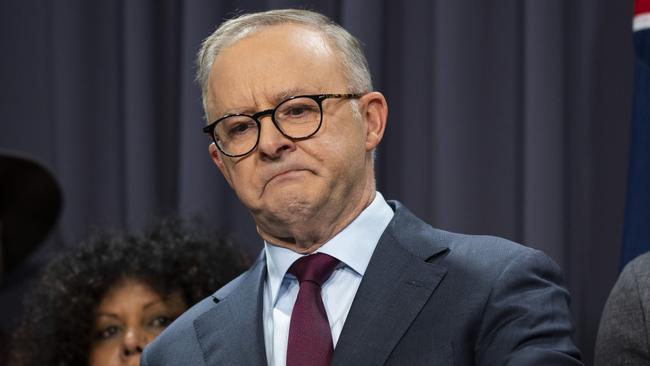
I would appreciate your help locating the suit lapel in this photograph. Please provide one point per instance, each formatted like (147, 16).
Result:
(396, 285)
(232, 331)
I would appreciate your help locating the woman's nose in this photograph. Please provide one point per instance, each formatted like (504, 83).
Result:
(134, 342)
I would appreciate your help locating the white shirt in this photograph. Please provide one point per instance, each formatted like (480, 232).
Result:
(353, 247)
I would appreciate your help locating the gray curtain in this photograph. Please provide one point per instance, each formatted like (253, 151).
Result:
(505, 117)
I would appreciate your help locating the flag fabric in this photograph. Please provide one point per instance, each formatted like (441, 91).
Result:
(636, 232)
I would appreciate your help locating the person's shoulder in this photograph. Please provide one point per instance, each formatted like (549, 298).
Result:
(231, 286)
(634, 280)
(178, 343)
(487, 249)
(511, 296)
(623, 330)
(638, 268)
(495, 261)
(482, 259)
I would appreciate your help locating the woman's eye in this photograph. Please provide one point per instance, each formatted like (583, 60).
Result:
(161, 321)
(107, 332)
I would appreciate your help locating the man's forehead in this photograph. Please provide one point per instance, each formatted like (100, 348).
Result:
(286, 35)
(274, 46)
(270, 65)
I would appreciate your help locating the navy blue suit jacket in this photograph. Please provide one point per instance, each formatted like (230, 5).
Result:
(428, 297)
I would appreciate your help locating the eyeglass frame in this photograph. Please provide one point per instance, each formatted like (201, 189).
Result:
(318, 98)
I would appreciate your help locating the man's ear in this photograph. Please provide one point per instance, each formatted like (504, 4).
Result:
(375, 112)
(216, 158)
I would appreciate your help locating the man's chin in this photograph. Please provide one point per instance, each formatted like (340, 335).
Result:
(290, 207)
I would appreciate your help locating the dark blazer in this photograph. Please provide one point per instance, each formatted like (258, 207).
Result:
(428, 297)
(625, 324)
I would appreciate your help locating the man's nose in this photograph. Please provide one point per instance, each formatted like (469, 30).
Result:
(272, 143)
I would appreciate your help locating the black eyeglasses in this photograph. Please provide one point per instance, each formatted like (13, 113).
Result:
(298, 117)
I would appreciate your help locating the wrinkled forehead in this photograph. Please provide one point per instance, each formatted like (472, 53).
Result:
(269, 62)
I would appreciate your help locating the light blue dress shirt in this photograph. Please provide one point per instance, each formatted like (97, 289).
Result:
(353, 247)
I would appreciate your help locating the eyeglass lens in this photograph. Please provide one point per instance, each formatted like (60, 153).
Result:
(295, 118)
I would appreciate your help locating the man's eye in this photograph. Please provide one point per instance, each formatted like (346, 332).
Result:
(296, 111)
(299, 111)
(240, 128)
(107, 332)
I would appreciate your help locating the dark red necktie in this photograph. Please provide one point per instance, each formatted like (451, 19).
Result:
(310, 337)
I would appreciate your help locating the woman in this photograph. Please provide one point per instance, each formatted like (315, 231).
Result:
(102, 302)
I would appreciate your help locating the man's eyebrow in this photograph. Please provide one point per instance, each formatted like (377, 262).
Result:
(287, 93)
(277, 98)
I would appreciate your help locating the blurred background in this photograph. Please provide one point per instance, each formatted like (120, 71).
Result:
(506, 117)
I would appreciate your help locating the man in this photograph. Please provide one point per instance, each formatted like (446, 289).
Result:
(345, 278)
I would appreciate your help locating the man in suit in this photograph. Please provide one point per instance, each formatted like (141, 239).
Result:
(345, 277)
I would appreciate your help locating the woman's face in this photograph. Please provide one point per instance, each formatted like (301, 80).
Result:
(130, 316)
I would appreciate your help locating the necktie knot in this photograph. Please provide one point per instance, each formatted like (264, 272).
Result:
(315, 268)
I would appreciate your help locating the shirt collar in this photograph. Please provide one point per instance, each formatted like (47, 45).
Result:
(353, 246)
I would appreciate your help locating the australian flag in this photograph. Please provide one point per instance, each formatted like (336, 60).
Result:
(636, 232)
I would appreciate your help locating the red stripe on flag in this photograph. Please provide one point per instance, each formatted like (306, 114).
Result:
(641, 6)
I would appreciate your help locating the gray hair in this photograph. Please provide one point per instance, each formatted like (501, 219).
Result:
(353, 61)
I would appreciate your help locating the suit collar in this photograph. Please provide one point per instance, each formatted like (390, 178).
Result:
(233, 329)
(416, 236)
(398, 282)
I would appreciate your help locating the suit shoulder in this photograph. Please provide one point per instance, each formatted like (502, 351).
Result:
(482, 253)
(631, 288)
(412, 232)
(186, 320)
(178, 343)
(228, 288)
(638, 268)
(623, 329)
(511, 297)
(488, 247)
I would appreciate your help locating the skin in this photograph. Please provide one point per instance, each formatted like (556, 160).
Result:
(301, 193)
(130, 316)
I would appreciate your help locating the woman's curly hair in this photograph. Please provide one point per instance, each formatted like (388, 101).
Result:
(174, 256)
